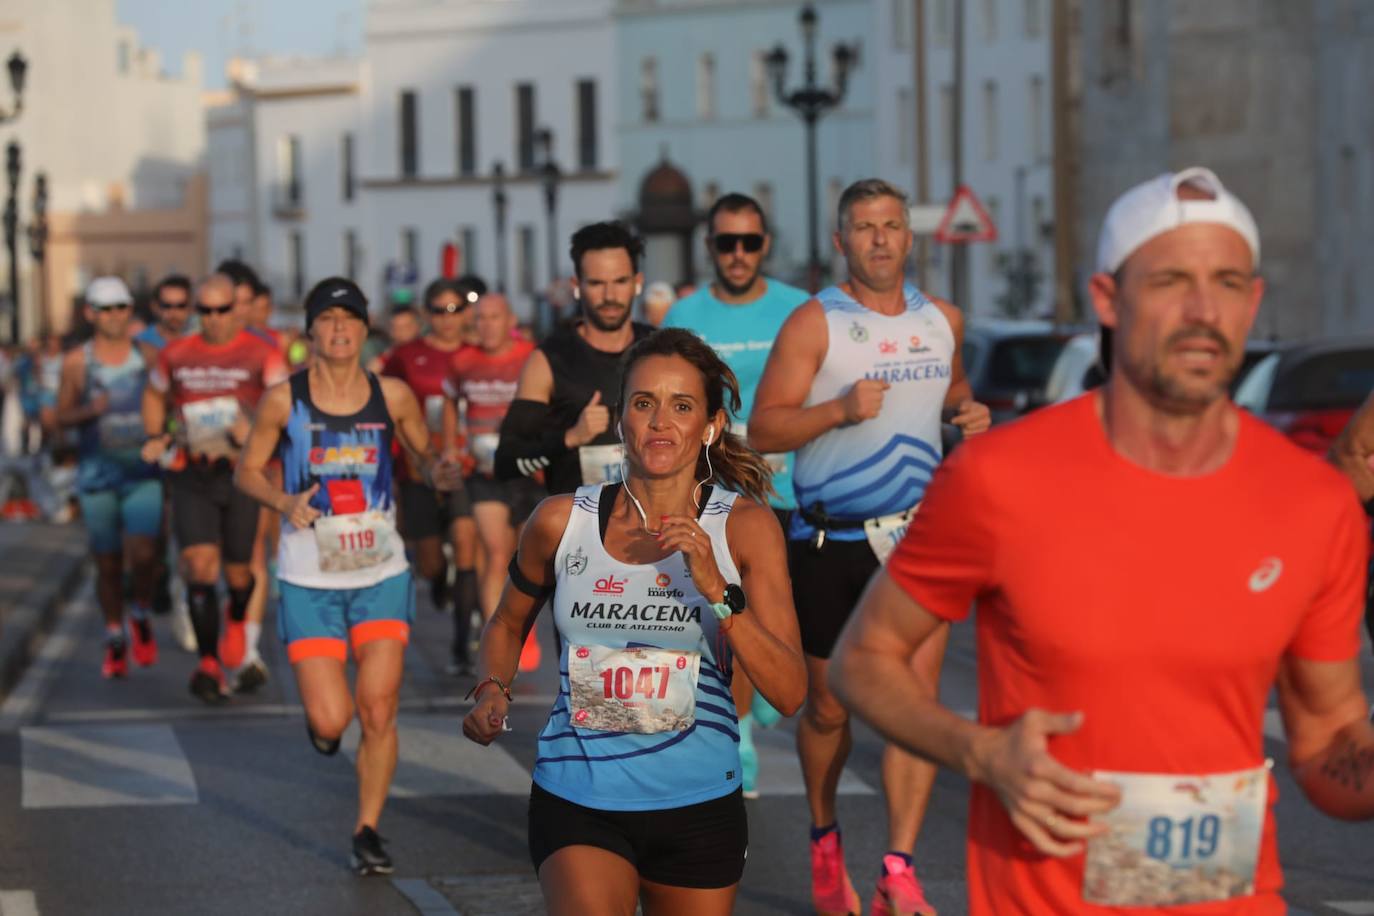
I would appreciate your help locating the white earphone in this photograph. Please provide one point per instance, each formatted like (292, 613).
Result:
(639, 289)
(710, 435)
(577, 292)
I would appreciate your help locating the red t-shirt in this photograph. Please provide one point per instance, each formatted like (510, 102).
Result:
(423, 367)
(1158, 606)
(192, 369)
(487, 383)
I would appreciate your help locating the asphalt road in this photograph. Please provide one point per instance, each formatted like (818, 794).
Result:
(131, 797)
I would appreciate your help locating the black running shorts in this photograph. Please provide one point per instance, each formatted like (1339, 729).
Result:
(826, 585)
(208, 509)
(427, 512)
(520, 495)
(700, 846)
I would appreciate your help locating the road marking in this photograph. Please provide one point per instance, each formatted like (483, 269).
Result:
(22, 705)
(780, 770)
(422, 896)
(435, 759)
(1353, 907)
(258, 710)
(510, 894)
(18, 903)
(96, 766)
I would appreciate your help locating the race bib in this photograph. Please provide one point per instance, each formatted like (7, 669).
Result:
(120, 431)
(349, 542)
(644, 691)
(1178, 839)
(482, 447)
(601, 463)
(434, 412)
(884, 534)
(208, 423)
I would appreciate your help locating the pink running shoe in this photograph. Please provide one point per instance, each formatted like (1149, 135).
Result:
(832, 893)
(899, 893)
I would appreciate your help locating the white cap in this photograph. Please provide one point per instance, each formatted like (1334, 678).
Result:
(1154, 207)
(660, 291)
(105, 291)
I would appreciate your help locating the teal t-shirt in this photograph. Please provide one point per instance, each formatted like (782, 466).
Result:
(743, 335)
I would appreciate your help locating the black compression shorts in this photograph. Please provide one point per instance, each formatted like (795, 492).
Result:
(520, 496)
(208, 509)
(699, 846)
(826, 585)
(428, 513)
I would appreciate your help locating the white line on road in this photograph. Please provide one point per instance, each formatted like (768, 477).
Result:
(24, 701)
(421, 896)
(1353, 907)
(435, 759)
(96, 766)
(18, 903)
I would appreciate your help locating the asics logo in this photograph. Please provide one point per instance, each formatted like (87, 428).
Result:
(1267, 574)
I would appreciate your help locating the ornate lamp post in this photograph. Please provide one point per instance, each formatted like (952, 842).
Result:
(498, 209)
(17, 67)
(811, 102)
(550, 176)
(38, 241)
(12, 234)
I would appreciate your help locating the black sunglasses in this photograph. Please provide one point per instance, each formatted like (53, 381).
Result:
(725, 242)
(214, 310)
(176, 306)
(452, 308)
(116, 307)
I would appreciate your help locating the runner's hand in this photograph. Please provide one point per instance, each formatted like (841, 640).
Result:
(864, 400)
(972, 417)
(241, 429)
(153, 449)
(446, 475)
(100, 403)
(678, 532)
(1046, 800)
(484, 721)
(594, 420)
(298, 510)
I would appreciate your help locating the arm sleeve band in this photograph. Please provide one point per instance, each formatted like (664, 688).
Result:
(521, 581)
(528, 444)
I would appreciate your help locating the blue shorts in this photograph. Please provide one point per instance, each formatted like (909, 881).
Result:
(320, 622)
(129, 507)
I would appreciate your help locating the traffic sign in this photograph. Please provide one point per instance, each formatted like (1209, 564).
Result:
(966, 220)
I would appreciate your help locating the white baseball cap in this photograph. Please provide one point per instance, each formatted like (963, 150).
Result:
(1154, 207)
(105, 291)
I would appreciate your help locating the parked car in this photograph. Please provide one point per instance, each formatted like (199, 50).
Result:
(1310, 390)
(1009, 362)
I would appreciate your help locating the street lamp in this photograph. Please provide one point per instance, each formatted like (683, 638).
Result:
(498, 207)
(12, 234)
(38, 240)
(550, 175)
(811, 103)
(17, 66)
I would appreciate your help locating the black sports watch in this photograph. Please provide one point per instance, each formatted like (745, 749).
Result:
(732, 602)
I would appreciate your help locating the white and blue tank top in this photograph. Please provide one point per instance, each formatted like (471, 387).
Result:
(599, 601)
(110, 445)
(880, 466)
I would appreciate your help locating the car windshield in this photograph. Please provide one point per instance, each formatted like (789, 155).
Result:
(1337, 379)
(1023, 362)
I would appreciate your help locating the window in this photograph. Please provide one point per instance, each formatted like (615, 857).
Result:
(586, 125)
(465, 123)
(524, 258)
(410, 148)
(346, 166)
(350, 254)
(1117, 40)
(648, 89)
(901, 25)
(1035, 112)
(296, 241)
(947, 120)
(943, 23)
(1034, 22)
(906, 126)
(524, 125)
(706, 87)
(990, 20)
(759, 93)
(410, 247)
(291, 192)
(467, 249)
(990, 120)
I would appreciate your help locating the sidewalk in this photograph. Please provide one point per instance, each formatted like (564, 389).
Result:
(40, 563)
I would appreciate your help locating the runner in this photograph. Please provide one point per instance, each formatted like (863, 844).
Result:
(481, 386)
(171, 307)
(559, 423)
(343, 568)
(426, 516)
(705, 586)
(740, 314)
(858, 383)
(121, 497)
(1122, 693)
(211, 383)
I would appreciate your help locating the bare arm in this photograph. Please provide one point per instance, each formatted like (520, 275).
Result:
(1353, 449)
(960, 408)
(779, 422)
(1330, 738)
(70, 410)
(413, 434)
(249, 476)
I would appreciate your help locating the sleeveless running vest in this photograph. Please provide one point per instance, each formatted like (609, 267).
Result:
(600, 603)
(880, 466)
(354, 543)
(109, 445)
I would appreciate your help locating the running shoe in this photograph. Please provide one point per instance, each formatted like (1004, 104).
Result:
(116, 662)
(765, 716)
(251, 677)
(530, 653)
(369, 858)
(144, 644)
(899, 893)
(832, 893)
(182, 630)
(233, 643)
(208, 681)
(748, 757)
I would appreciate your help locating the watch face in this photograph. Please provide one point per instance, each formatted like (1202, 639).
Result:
(734, 597)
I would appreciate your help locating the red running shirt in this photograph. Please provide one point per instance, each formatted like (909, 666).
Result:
(424, 367)
(1146, 601)
(487, 383)
(191, 370)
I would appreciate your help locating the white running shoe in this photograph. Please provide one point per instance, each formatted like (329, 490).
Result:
(182, 631)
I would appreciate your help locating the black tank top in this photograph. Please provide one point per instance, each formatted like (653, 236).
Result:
(578, 370)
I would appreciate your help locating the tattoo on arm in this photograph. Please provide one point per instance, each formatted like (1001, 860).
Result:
(1350, 765)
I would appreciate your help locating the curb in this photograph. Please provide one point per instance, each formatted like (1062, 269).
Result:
(57, 565)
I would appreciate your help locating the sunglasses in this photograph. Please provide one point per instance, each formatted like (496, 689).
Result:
(175, 306)
(725, 242)
(452, 308)
(116, 307)
(214, 310)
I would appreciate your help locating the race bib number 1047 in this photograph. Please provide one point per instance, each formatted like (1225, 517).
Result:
(644, 690)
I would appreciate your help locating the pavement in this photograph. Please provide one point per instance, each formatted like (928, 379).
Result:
(132, 797)
(40, 564)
